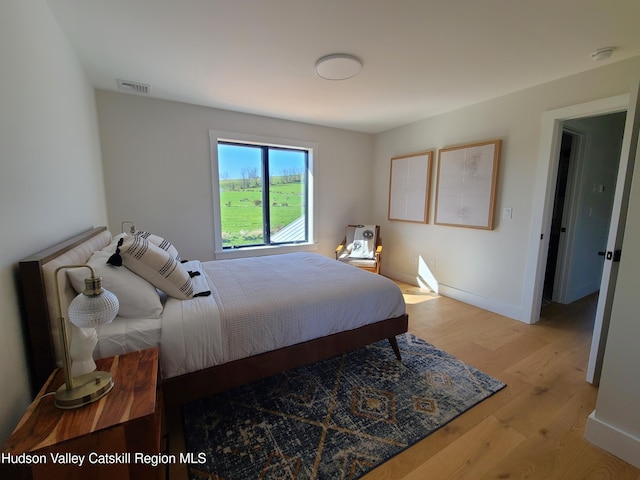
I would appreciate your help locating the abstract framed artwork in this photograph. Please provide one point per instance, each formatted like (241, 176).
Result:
(410, 187)
(466, 185)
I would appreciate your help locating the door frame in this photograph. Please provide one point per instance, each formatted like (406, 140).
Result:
(544, 192)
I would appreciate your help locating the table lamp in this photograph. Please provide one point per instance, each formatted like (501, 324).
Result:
(93, 307)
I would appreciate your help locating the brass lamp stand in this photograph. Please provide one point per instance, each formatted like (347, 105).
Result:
(93, 307)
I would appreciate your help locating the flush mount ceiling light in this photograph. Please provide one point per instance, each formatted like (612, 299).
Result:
(602, 53)
(338, 66)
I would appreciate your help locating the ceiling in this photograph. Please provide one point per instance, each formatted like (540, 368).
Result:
(421, 57)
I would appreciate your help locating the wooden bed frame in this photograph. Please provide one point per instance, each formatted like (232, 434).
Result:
(191, 386)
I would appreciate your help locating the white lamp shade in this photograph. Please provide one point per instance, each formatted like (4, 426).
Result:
(90, 311)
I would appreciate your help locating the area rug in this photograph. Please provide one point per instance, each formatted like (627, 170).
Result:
(338, 418)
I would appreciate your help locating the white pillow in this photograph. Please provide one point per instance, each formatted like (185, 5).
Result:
(364, 242)
(160, 242)
(155, 265)
(137, 297)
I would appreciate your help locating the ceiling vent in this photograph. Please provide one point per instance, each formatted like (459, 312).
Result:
(133, 87)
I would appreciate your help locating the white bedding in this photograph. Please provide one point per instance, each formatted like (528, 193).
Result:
(264, 303)
(125, 335)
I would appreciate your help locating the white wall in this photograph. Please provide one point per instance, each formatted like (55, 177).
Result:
(485, 268)
(51, 185)
(157, 166)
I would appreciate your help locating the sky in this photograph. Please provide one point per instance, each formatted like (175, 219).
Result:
(232, 159)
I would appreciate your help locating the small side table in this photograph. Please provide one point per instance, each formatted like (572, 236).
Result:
(126, 420)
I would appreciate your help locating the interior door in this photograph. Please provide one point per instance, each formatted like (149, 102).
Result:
(613, 253)
(563, 220)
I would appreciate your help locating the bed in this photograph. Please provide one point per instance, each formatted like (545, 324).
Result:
(234, 333)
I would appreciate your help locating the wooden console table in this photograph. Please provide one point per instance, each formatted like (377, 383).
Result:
(126, 420)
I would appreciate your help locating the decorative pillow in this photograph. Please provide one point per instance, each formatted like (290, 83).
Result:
(159, 242)
(364, 242)
(137, 297)
(155, 265)
(111, 248)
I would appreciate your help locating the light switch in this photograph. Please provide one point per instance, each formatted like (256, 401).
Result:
(507, 212)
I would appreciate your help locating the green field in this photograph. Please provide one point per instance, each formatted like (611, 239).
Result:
(241, 209)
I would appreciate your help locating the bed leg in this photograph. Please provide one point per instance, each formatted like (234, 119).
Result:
(394, 345)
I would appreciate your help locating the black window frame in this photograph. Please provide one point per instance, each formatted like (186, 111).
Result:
(266, 202)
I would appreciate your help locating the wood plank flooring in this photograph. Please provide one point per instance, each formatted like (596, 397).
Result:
(532, 429)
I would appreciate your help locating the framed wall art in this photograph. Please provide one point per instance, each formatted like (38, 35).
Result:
(409, 187)
(466, 185)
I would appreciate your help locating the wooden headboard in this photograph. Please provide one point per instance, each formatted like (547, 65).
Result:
(38, 306)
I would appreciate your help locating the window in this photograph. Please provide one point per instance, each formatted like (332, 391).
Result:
(262, 192)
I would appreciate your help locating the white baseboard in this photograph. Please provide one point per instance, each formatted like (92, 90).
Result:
(512, 311)
(515, 312)
(613, 440)
(403, 277)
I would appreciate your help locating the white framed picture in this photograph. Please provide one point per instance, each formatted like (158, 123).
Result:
(410, 187)
(466, 185)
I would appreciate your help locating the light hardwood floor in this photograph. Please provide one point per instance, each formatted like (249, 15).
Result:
(532, 429)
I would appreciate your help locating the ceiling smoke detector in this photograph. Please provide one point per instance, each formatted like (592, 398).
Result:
(133, 87)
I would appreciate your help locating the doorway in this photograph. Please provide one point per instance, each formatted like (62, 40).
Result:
(587, 167)
(552, 125)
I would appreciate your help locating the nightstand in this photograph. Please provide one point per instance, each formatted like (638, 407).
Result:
(49, 443)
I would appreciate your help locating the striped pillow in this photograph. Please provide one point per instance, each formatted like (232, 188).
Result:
(156, 266)
(159, 242)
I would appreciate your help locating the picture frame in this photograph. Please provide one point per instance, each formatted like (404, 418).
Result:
(410, 187)
(466, 185)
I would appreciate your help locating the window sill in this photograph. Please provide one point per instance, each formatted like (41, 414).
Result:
(264, 250)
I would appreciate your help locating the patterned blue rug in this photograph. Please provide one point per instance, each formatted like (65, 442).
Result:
(338, 418)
